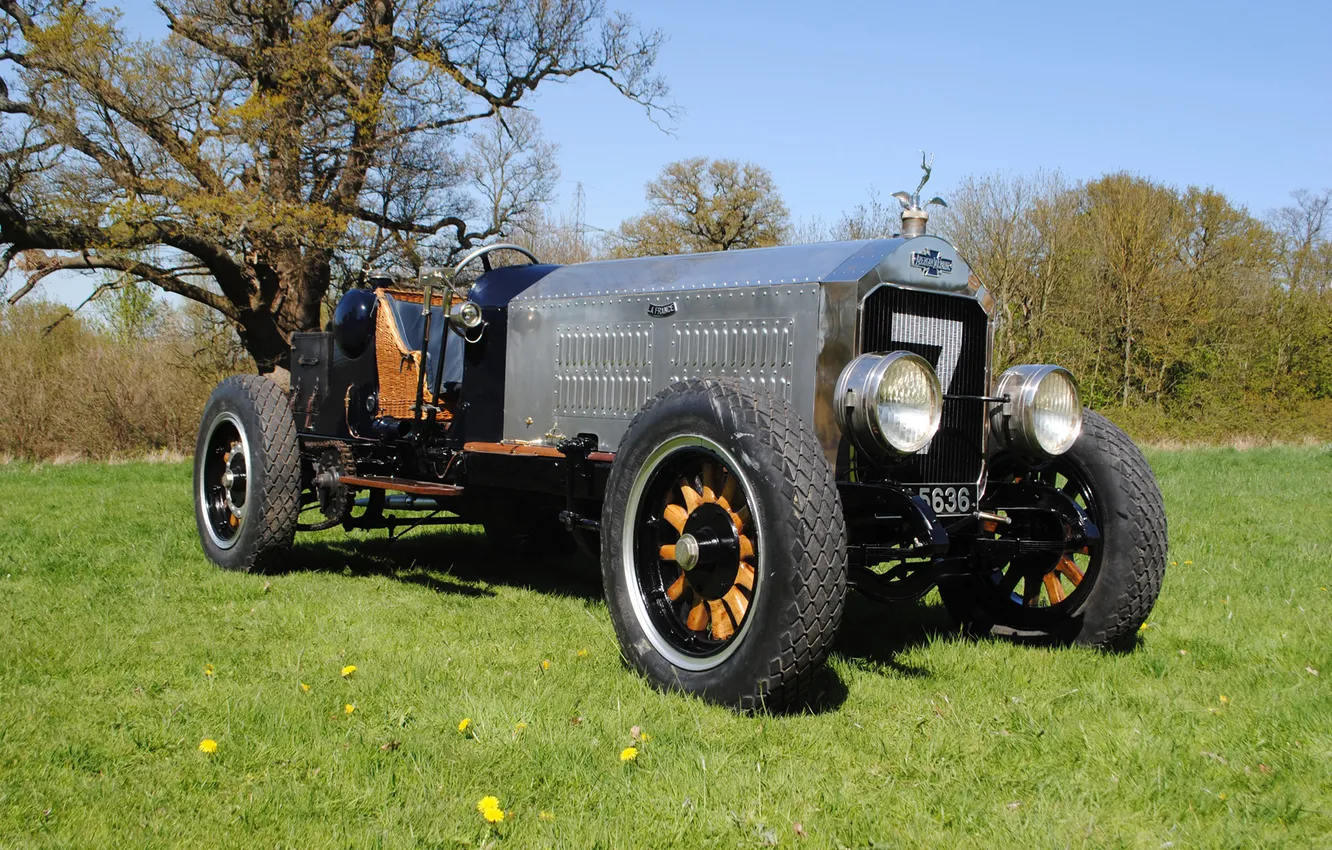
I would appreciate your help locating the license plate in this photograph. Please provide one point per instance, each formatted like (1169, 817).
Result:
(948, 499)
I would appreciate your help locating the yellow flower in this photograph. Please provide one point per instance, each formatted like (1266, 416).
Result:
(1188, 562)
(545, 665)
(305, 689)
(520, 726)
(208, 669)
(546, 816)
(348, 670)
(349, 708)
(582, 653)
(208, 745)
(1221, 796)
(628, 753)
(1225, 700)
(645, 737)
(489, 808)
(1142, 628)
(464, 724)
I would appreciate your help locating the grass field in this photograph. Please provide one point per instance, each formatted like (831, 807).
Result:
(121, 649)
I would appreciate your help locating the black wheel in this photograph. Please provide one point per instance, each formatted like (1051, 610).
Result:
(247, 474)
(723, 551)
(1094, 592)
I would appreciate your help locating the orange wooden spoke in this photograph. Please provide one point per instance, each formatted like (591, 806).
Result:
(737, 602)
(667, 553)
(1031, 592)
(737, 521)
(676, 590)
(232, 519)
(698, 616)
(676, 516)
(710, 479)
(746, 548)
(721, 624)
(1085, 550)
(708, 495)
(691, 497)
(728, 492)
(745, 577)
(1068, 567)
(1054, 588)
(743, 515)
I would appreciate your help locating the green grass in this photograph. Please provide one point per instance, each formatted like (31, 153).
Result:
(109, 614)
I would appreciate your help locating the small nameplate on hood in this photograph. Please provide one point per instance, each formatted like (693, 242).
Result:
(931, 263)
(661, 311)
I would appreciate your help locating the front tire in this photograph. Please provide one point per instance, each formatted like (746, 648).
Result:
(1096, 595)
(247, 474)
(723, 549)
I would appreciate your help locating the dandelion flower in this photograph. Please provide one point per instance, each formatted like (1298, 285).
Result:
(208, 669)
(628, 753)
(208, 745)
(645, 737)
(489, 808)
(305, 689)
(546, 816)
(349, 708)
(1225, 700)
(348, 670)
(519, 726)
(1142, 628)
(545, 665)
(464, 725)
(582, 653)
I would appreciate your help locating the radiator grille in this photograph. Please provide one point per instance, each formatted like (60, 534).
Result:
(950, 332)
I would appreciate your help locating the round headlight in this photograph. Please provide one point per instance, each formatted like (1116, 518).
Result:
(1043, 415)
(465, 314)
(889, 403)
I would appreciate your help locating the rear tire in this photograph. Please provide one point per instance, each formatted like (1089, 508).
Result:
(750, 622)
(247, 474)
(1120, 584)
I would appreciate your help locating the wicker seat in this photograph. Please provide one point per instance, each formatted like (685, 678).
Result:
(398, 328)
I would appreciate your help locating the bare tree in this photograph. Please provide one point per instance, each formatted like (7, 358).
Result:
(263, 146)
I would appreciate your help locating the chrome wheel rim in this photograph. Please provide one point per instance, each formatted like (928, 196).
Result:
(224, 481)
(692, 580)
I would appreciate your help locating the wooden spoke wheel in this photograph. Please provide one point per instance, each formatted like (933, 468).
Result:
(1056, 584)
(1050, 575)
(723, 550)
(705, 550)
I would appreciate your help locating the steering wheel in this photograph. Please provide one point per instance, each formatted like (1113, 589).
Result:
(484, 254)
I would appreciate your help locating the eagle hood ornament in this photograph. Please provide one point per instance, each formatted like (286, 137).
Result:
(914, 214)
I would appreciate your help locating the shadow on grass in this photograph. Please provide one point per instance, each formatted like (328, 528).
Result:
(459, 561)
(873, 634)
(452, 561)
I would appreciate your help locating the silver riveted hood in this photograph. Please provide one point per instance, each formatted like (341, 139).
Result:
(588, 344)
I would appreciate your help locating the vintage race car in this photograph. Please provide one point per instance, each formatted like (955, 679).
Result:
(737, 437)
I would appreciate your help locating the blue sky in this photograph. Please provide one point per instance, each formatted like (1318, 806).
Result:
(835, 96)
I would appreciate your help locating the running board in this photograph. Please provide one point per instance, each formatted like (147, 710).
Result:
(401, 485)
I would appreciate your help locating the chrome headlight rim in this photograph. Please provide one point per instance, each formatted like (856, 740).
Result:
(1015, 426)
(858, 412)
(465, 315)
